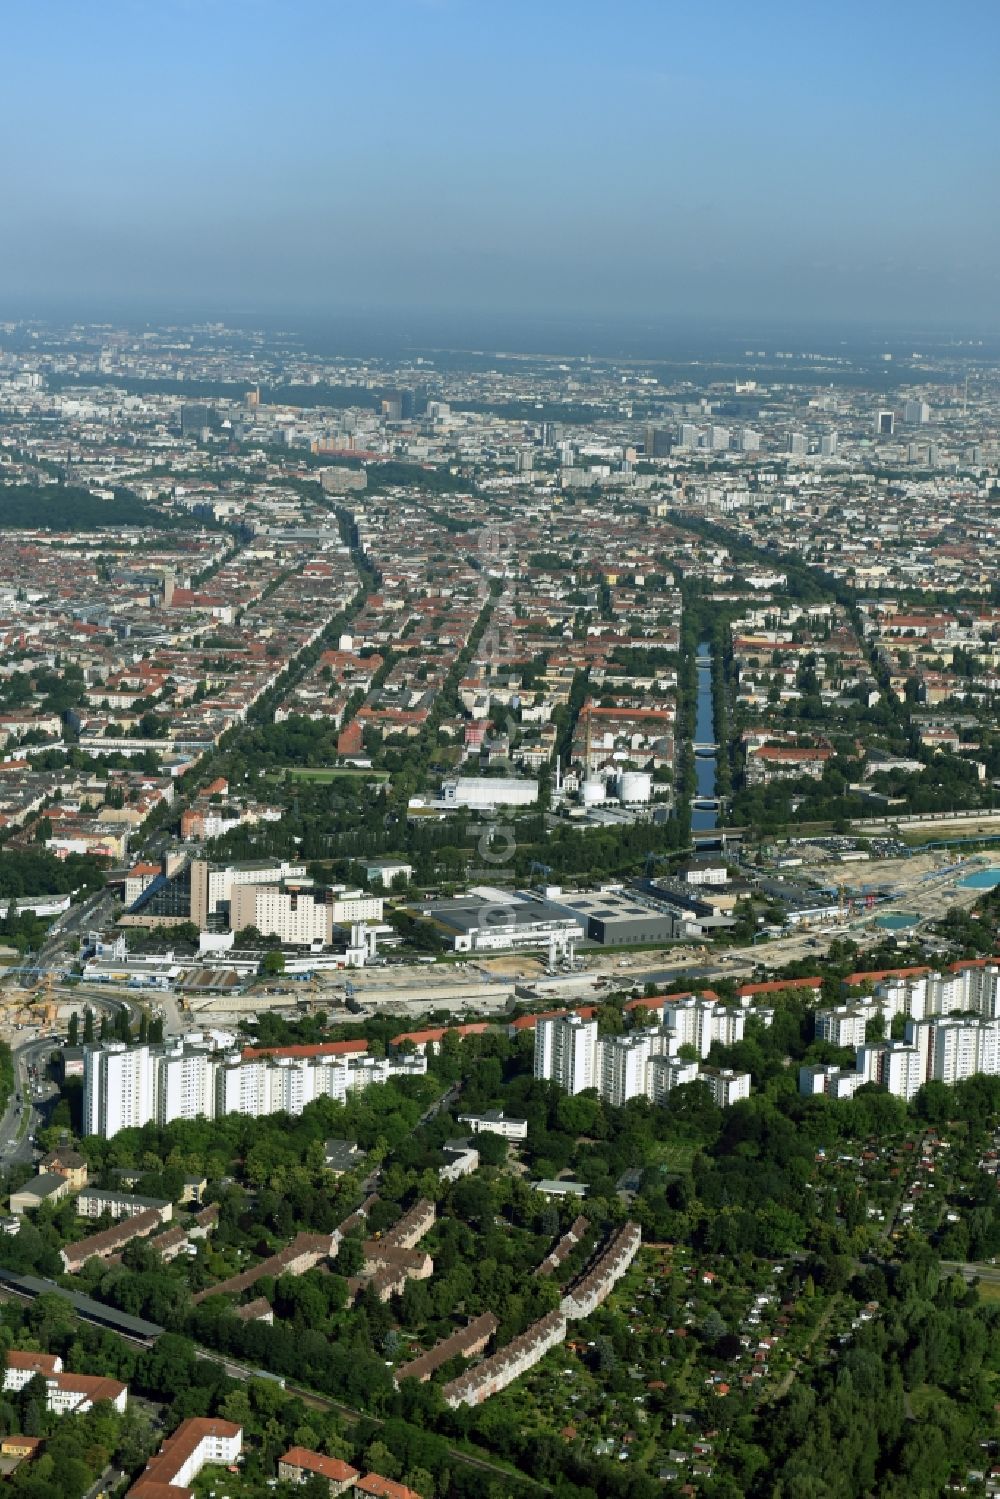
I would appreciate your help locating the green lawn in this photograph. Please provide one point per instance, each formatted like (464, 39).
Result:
(925, 1398)
(673, 1155)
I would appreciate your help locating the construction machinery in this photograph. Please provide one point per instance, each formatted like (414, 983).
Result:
(35, 1003)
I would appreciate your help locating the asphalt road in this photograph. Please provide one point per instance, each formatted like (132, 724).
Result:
(107, 1481)
(92, 912)
(28, 1048)
(989, 1274)
(17, 1149)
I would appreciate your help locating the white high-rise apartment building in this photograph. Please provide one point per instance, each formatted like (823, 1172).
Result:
(868, 1061)
(827, 1079)
(698, 1022)
(894, 1065)
(127, 1087)
(682, 1019)
(845, 1025)
(952, 1031)
(300, 914)
(242, 1088)
(544, 1050)
(902, 1070)
(956, 1047)
(726, 1086)
(970, 987)
(185, 1085)
(983, 990)
(566, 1052)
(263, 1085)
(623, 1061)
(118, 1089)
(354, 905)
(666, 1072)
(955, 1051)
(641, 1064)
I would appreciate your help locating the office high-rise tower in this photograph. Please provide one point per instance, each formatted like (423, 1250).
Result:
(657, 442)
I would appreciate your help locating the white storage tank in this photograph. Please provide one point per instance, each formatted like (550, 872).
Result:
(594, 791)
(635, 786)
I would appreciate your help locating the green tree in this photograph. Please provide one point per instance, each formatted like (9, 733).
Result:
(350, 1256)
(380, 1460)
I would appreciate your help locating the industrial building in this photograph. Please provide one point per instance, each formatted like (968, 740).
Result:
(616, 917)
(695, 913)
(801, 903)
(513, 924)
(486, 793)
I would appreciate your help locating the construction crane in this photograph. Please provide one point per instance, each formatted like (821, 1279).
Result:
(30, 974)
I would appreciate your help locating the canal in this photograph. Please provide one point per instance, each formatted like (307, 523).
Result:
(703, 819)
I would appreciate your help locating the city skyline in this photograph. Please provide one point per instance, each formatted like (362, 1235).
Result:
(500, 750)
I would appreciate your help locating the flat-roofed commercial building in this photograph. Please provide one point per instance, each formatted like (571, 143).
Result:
(504, 926)
(616, 917)
(484, 793)
(496, 1122)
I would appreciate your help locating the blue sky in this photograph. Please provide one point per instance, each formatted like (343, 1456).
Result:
(808, 162)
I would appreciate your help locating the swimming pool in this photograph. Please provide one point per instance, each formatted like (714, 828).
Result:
(981, 879)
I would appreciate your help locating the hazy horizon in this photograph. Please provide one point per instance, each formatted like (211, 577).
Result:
(634, 169)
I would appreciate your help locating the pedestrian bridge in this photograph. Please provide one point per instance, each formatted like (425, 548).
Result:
(704, 747)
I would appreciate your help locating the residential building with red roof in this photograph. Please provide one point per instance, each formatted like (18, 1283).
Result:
(311, 1049)
(777, 986)
(374, 1486)
(299, 1464)
(182, 1456)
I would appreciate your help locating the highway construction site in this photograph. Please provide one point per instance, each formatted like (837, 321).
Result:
(915, 891)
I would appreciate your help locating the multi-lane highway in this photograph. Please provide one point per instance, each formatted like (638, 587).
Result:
(59, 940)
(22, 1118)
(33, 1100)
